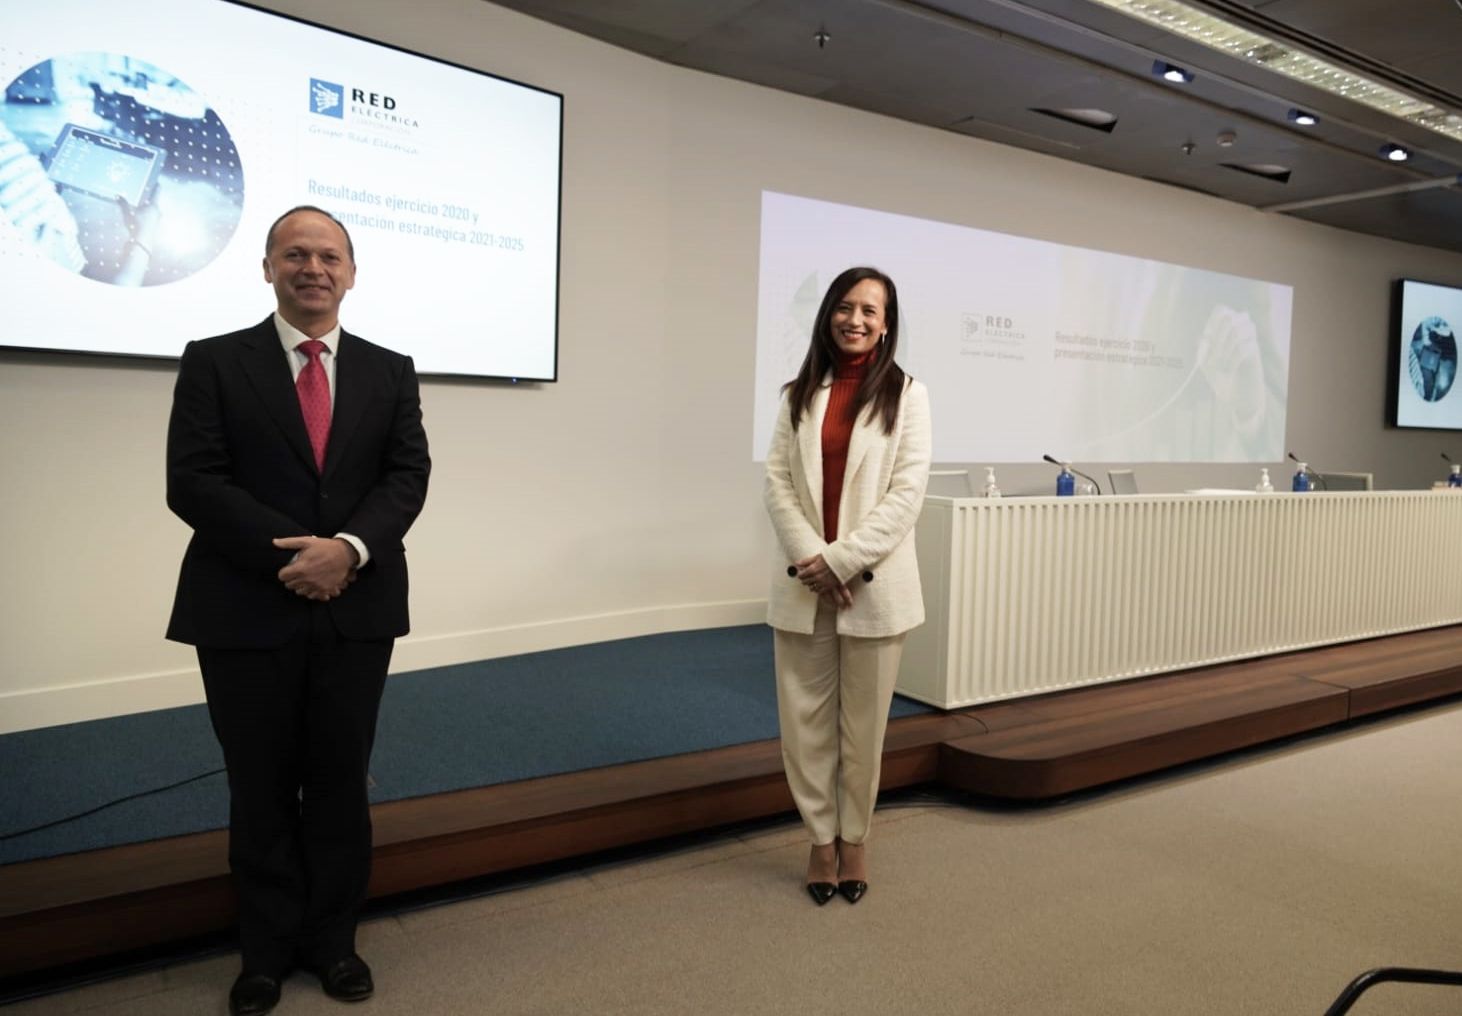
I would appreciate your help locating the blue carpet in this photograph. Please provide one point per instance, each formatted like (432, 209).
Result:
(444, 729)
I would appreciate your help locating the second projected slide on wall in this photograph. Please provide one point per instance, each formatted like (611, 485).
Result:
(1030, 347)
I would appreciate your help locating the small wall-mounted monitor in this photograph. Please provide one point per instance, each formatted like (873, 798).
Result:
(1423, 392)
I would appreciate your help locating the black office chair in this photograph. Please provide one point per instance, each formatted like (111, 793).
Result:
(1370, 978)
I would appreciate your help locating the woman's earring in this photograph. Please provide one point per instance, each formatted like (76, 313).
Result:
(882, 337)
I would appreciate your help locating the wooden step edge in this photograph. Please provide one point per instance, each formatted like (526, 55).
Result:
(1159, 719)
(965, 767)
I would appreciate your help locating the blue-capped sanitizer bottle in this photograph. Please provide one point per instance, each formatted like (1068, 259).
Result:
(1301, 478)
(1065, 481)
(1454, 478)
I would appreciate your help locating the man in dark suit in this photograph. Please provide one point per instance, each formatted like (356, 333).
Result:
(296, 454)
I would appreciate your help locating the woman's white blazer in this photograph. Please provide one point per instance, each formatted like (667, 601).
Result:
(883, 492)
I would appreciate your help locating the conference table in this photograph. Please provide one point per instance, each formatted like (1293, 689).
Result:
(1037, 594)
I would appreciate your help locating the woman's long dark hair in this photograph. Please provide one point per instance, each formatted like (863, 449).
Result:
(883, 384)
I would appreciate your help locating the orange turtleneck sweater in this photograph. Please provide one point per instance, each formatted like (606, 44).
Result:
(837, 430)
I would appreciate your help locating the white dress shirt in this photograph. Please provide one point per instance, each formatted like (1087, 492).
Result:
(290, 337)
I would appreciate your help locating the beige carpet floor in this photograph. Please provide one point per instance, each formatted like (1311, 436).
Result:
(1259, 884)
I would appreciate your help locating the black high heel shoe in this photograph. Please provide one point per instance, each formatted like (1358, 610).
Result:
(821, 892)
(852, 889)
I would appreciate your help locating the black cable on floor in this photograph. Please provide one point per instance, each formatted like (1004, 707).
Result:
(110, 804)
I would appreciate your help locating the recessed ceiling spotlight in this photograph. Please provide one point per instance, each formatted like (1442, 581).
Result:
(1171, 72)
(1395, 153)
(1303, 119)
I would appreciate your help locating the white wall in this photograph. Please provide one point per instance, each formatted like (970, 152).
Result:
(622, 500)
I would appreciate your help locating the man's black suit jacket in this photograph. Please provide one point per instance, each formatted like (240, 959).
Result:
(240, 472)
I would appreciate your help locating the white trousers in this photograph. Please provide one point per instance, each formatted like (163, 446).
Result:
(833, 695)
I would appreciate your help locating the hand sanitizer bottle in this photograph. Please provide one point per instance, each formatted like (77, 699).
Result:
(1301, 478)
(1264, 487)
(991, 488)
(1454, 478)
(1065, 482)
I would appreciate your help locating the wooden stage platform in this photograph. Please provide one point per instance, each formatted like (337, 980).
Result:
(82, 907)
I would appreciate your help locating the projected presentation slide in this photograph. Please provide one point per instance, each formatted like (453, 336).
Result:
(1032, 348)
(145, 151)
(1426, 349)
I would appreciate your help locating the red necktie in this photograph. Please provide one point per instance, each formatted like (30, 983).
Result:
(314, 392)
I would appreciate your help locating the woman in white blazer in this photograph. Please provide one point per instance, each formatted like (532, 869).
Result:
(845, 481)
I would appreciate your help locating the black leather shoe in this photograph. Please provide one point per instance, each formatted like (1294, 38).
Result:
(852, 889)
(821, 892)
(348, 979)
(253, 995)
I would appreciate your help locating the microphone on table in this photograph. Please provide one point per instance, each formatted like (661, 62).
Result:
(1067, 465)
(1310, 472)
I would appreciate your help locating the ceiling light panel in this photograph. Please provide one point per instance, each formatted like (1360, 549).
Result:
(1245, 44)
